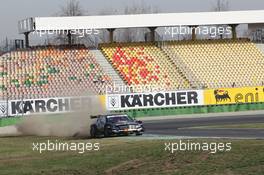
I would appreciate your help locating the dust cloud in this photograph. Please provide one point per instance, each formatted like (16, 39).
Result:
(75, 124)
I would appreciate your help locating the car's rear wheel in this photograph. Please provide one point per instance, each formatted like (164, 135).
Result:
(106, 132)
(93, 132)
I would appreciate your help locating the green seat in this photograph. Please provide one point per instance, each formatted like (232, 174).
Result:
(92, 66)
(52, 70)
(3, 74)
(39, 83)
(73, 78)
(28, 83)
(3, 88)
(87, 74)
(14, 81)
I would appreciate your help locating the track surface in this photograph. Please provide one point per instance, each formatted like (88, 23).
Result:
(177, 127)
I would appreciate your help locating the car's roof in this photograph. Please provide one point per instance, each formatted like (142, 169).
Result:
(108, 115)
(115, 115)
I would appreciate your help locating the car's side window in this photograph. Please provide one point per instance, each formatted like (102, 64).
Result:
(98, 123)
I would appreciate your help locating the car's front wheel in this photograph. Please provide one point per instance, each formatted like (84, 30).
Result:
(139, 133)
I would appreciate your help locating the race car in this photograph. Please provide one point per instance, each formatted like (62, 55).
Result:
(115, 124)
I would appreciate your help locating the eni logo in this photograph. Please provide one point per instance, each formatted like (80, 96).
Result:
(221, 96)
(251, 97)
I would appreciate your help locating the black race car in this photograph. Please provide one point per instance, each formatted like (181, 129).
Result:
(115, 124)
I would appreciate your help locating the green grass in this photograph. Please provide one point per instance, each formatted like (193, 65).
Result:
(233, 126)
(128, 156)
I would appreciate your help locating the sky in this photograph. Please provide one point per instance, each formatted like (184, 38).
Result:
(11, 11)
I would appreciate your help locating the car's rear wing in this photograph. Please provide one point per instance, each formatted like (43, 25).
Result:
(94, 116)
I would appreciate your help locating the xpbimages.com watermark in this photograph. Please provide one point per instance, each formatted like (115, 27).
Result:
(117, 89)
(188, 145)
(57, 146)
(78, 32)
(212, 31)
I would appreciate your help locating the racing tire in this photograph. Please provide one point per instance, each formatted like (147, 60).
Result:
(106, 132)
(139, 134)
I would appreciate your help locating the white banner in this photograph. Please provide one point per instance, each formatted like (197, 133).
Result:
(46, 105)
(154, 100)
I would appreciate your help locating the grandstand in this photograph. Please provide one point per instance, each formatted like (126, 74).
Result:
(61, 71)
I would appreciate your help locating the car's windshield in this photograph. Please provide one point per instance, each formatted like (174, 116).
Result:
(116, 119)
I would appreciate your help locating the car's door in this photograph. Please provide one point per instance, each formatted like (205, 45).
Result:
(98, 123)
(101, 124)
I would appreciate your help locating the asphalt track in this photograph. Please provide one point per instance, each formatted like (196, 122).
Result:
(180, 127)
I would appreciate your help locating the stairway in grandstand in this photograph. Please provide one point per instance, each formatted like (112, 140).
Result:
(144, 64)
(261, 47)
(219, 63)
(107, 68)
(2, 74)
(182, 69)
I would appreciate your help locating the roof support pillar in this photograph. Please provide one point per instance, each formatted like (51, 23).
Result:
(111, 35)
(69, 36)
(152, 33)
(193, 32)
(27, 39)
(234, 33)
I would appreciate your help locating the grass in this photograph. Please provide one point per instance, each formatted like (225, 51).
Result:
(233, 126)
(128, 156)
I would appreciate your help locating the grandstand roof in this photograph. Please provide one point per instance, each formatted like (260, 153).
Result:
(143, 20)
